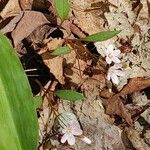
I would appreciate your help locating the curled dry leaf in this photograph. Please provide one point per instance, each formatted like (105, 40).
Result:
(114, 104)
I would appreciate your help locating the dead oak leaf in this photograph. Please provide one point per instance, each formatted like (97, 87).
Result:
(114, 104)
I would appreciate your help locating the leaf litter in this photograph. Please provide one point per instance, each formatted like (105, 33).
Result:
(34, 32)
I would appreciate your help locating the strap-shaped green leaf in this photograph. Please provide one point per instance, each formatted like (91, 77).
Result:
(18, 121)
(61, 51)
(69, 95)
(62, 8)
(101, 36)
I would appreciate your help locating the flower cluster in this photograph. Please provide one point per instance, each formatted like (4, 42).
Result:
(115, 70)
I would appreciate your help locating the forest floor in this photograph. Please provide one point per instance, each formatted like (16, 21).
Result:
(112, 116)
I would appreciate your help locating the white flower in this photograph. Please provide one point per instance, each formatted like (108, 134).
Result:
(69, 132)
(114, 72)
(112, 54)
(86, 140)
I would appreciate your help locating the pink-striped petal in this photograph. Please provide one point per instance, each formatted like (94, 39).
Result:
(108, 60)
(114, 79)
(109, 49)
(71, 140)
(77, 131)
(64, 138)
(116, 60)
(108, 76)
(116, 52)
(119, 73)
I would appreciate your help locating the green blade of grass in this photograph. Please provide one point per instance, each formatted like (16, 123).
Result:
(18, 121)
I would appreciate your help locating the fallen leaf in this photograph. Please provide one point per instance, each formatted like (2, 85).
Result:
(134, 85)
(9, 27)
(49, 46)
(55, 43)
(12, 8)
(76, 30)
(56, 68)
(114, 104)
(26, 4)
(29, 22)
(73, 69)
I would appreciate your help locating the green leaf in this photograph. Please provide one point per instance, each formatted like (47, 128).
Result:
(37, 101)
(69, 95)
(62, 8)
(101, 36)
(61, 51)
(18, 119)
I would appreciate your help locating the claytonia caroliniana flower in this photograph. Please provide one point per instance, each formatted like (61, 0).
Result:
(112, 54)
(114, 72)
(69, 132)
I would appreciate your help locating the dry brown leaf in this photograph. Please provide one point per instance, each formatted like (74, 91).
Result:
(56, 68)
(49, 47)
(115, 106)
(29, 22)
(26, 4)
(12, 8)
(73, 69)
(55, 43)
(134, 85)
(12, 24)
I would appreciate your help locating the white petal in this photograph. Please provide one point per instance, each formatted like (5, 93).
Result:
(86, 140)
(115, 60)
(114, 78)
(116, 66)
(116, 52)
(108, 76)
(64, 138)
(119, 73)
(77, 131)
(109, 49)
(108, 60)
(71, 140)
